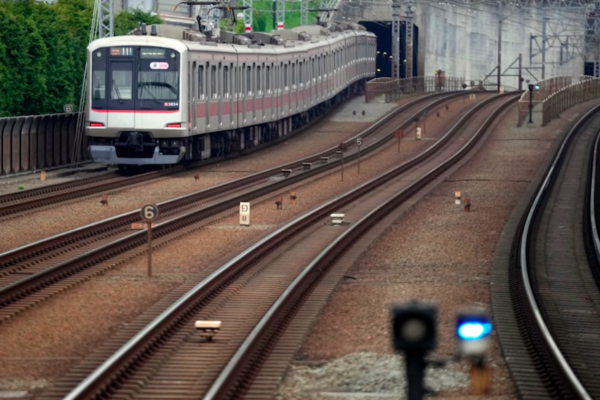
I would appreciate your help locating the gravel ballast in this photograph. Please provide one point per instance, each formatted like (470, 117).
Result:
(435, 252)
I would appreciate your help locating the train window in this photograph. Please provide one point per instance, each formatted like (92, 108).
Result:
(285, 76)
(258, 80)
(293, 74)
(268, 79)
(99, 83)
(213, 82)
(249, 80)
(300, 74)
(314, 72)
(220, 81)
(319, 67)
(226, 82)
(121, 81)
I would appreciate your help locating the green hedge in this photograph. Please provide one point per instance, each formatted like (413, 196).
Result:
(42, 53)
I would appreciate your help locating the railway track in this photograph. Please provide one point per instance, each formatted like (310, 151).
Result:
(553, 277)
(35, 272)
(20, 203)
(258, 292)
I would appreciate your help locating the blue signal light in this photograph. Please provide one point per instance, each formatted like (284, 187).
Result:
(473, 330)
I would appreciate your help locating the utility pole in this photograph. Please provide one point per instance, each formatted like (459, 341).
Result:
(396, 39)
(500, 18)
(303, 12)
(248, 14)
(106, 18)
(597, 33)
(545, 21)
(410, 13)
(280, 14)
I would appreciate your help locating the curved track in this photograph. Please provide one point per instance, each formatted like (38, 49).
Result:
(48, 266)
(551, 278)
(258, 292)
(20, 203)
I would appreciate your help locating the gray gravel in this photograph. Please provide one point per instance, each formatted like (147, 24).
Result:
(373, 374)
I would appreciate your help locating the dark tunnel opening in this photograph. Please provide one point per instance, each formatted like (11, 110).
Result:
(383, 30)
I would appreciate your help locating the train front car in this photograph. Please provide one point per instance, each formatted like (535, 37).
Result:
(135, 111)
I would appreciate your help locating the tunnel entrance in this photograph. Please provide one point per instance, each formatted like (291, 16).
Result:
(383, 30)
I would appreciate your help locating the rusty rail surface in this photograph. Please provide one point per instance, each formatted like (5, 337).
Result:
(86, 247)
(124, 363)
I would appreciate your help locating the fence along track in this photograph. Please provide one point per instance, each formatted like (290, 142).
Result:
(182, 310)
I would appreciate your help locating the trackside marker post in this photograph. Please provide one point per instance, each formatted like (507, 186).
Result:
(245, 214)
(149, 213)
(399, 134)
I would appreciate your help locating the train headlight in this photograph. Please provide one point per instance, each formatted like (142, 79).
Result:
(174, 143)
(164, 143)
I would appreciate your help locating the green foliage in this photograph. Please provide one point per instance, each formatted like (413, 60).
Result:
(43, 48)
(227, 25)
(126, 21)
(43, 52)
(264, 14)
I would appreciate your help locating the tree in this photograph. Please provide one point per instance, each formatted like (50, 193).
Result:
(227, 25)
(126, 21)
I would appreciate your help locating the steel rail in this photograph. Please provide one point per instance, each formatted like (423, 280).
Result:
(19, 254)
(228, 376)
(96, 381)
(29, 200)
(535, 208)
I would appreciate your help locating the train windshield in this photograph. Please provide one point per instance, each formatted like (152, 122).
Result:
(135, 78)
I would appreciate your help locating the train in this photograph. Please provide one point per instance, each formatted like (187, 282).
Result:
(178, 94)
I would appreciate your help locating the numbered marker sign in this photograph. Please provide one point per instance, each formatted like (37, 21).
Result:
(149, 212)
(244, 213)
(359, 141)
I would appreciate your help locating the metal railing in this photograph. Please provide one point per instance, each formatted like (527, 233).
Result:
(544, 109)
(387, 90)
(586, 89)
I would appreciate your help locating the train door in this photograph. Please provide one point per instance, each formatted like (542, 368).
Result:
(248, 95)
(213, 101)
(269, 103)
(259, 106)
(311, 86)
(121, 94)
(227, 108)
(193, 95)
(201, 106)
(220, 98)
(295, 88)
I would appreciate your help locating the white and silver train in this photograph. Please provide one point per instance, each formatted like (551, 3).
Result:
(176, 94)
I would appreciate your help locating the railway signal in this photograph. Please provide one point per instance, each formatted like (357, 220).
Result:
(414, 333)
(531, 88)
(473, 329)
